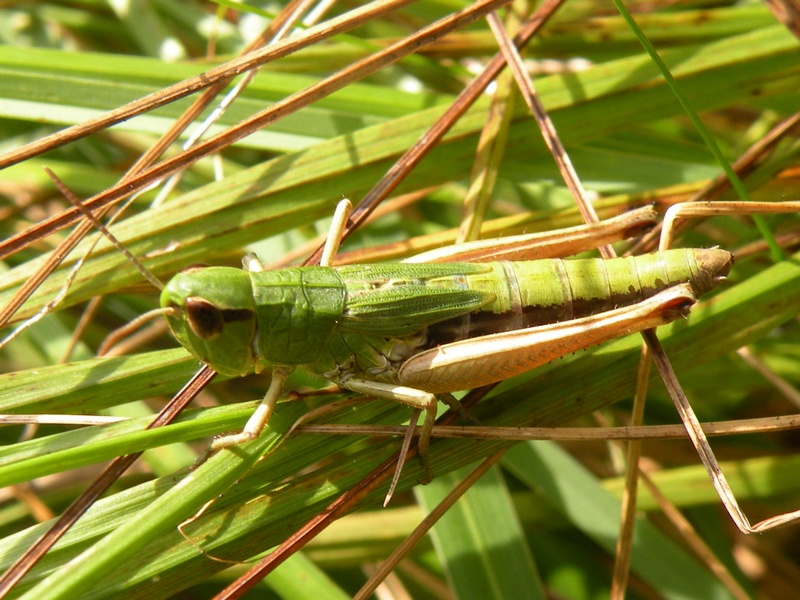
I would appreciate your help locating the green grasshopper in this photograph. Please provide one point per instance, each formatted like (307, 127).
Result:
(414, 332)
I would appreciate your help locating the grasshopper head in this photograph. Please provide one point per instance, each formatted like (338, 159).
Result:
(211, 311)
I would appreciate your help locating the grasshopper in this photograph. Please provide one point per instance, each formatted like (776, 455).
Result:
(412, 332)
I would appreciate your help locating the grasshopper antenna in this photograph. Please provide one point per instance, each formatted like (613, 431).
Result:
(121, 333)
(79, 263)
(69, 195)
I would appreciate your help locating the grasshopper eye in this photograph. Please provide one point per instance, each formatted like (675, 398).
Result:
(205, 319)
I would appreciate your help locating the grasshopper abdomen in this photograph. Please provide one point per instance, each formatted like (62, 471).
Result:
(532, 293)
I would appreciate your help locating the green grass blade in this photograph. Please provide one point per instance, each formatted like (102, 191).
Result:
(480, 540)
(656, 558)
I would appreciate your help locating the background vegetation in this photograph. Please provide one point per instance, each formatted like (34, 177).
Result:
(544, 522)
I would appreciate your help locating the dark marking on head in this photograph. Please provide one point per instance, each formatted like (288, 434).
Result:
(205, 319)
(234, 315)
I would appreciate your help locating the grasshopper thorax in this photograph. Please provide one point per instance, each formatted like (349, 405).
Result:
(212, 314)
